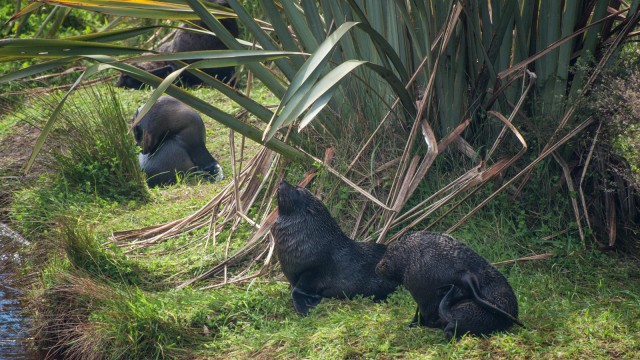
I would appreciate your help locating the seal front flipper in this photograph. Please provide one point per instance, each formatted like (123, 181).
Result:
(215, 171)
(417, 320)
(303, 301)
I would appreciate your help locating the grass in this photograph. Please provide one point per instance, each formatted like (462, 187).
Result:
(101, 302)
(574, 307)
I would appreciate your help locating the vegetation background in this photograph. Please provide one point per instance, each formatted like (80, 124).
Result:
(440, 115)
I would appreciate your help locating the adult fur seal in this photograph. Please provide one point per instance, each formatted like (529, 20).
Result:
(172, 138)
(455, 288)
(317, 258)
(185, 40)
(159, 69)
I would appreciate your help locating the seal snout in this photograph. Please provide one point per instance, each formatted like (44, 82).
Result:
(284, 187)
(386, 270)
(286, 193)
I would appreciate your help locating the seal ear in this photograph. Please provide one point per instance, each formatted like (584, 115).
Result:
(383, 268)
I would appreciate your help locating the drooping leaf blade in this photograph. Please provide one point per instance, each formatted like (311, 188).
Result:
(56, 48)
(212, 59)
(305, 78)
(165, 10)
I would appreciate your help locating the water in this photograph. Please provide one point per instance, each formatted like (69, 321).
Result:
(13, 322)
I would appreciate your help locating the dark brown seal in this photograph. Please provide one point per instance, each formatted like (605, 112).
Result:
(172, 138)
(455, 288)
(317, 258)
(183, 41)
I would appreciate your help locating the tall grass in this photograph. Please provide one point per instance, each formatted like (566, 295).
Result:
(94, 151)
(91, 156)
(95, 303)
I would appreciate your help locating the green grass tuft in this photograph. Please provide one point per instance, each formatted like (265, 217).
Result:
(95, 152)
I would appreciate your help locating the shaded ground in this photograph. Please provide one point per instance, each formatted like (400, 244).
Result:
(15, 150)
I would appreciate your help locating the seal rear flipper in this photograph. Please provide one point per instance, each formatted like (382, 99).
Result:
(451, 332)
(453, 295)
(303, 301)
(215, 171)
(470, 281)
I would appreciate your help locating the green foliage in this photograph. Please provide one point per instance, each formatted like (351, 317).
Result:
(94, 152)
(615, 101)
(46, 22)
(381, 46)
(577, 304)
(35, 210)
(92, 160)
(572, 307)
(87, 255)
(140, 325)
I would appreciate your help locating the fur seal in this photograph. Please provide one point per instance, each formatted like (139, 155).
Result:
(172, 138)
(456, 289)
(317, 258)
(188, 41)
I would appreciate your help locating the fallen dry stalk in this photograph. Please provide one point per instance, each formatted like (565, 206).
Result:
(526, 258)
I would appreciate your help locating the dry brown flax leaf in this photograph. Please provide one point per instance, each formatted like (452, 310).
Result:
(526, 258)
(572, 189)
(444, 143)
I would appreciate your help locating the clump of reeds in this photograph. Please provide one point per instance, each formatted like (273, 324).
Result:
(90, 302)
(93, 151)
(90, 156)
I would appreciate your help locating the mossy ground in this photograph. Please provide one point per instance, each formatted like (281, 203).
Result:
(578, 304)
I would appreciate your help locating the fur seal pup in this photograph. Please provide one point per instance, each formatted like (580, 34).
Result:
(172, 138)
(456, 289)
(317, 258)
(183, 41)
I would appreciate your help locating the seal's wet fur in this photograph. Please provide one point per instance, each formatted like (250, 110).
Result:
(172, 139)
(317, 258)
